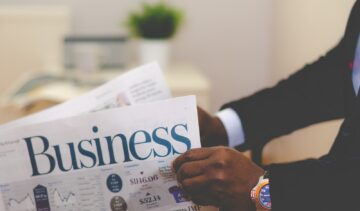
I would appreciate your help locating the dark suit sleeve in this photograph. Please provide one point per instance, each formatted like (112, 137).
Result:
(316, 93)
(311, 95)
(316, 185)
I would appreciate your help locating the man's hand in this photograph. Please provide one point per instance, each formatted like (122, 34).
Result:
(212, 131)
(218, 176)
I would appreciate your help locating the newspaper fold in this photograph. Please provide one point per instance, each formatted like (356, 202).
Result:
(140, 85)
(89, 155)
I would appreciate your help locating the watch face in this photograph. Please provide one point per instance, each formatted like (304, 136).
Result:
(264, 197)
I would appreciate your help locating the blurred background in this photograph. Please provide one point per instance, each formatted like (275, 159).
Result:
(52, 51)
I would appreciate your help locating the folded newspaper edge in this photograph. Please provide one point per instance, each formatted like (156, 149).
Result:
(142, 84)
(115, 159)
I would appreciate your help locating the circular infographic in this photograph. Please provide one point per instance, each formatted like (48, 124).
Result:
(118, 203)
(114, 183)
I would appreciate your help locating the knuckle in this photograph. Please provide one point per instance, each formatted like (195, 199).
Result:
(181, 175)
(220, 164)
(224, 151)
(219, 177)
(189, 155)
(222, 158)
(184, 169)
(219, 152)
(186, 184)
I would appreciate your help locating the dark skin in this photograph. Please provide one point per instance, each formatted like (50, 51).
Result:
(217, 175)
(212, 131)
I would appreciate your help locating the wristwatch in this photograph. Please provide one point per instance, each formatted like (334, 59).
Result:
(260, 194)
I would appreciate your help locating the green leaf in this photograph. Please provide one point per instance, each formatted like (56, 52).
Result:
(155, 21)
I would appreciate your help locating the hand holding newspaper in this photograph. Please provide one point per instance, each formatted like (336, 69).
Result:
(117, 159)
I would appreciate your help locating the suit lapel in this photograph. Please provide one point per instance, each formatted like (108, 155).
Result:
(343, 142)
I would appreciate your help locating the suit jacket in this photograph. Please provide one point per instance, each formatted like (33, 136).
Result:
(319, 92)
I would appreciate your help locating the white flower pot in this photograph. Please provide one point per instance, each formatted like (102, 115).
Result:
(154, 50)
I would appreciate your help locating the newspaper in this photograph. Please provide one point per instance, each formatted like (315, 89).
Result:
(117, 159)
(140, 85)
(87, 154)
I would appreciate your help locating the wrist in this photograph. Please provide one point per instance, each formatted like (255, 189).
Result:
(231, 121)
(219, 134)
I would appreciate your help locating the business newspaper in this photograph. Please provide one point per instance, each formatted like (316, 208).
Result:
(112, 160)
(140, 85)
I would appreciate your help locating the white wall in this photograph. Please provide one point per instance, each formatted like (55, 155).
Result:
(304, 30)
(229, 40)
(30, 40)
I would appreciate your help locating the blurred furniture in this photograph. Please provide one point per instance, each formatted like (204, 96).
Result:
(188, 80)
(90, 53)
(31, 41)
(182, 80)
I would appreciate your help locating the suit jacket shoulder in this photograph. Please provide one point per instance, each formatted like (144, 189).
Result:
(318, 92)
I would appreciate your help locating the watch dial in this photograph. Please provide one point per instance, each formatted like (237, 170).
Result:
(264, 197)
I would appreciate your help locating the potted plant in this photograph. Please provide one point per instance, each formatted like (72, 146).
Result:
(155, 25)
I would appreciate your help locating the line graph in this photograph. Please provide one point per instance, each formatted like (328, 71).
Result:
(24, 203)
(66, 193)
(63, 199)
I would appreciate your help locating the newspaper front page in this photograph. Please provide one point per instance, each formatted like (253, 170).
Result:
(117, 159)
(108, 158)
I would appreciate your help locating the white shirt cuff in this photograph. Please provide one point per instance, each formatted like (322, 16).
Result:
(233, 126)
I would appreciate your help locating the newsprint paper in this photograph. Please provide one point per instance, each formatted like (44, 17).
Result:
(140, 85)
(114, 159)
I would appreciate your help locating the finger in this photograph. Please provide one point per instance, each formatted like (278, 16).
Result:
(200, 191)
(191, 169)
(191, 155)
(196, 185)
(203, 199)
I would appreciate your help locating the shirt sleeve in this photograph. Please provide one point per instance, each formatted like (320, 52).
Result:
(233, 126)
